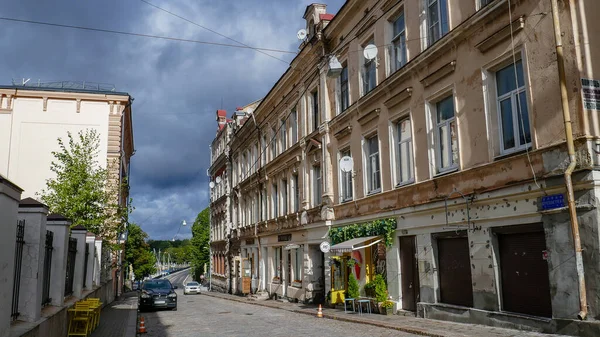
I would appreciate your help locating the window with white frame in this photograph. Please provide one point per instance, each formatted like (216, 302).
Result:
(345, 180)
(317, 187)
(404, 152)
(283, 136)
(446, 135)
(369, 73)
(294, 125)
(483, 3)
(261, 197)
(278, 263)
(298, 264)
(255, 161)
(273, 144)
(284, 197)
(343, 91)
(275, 201)
(513, 116)
(437, 19)
(263, 154)
(243, 168)
(296, 193)
(398, 52)
(372, 162)
(316, 119)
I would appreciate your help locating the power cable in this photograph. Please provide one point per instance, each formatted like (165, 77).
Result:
(143, 35)
(211, 30)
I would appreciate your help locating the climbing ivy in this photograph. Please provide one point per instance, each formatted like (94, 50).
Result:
(384, 227)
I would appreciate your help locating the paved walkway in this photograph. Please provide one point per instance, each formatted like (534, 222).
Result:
(418, 326)
(118, 319)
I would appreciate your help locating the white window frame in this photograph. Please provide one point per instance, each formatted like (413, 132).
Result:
(345, 178)
(440, 30)
(295, 181)
(483, 3)
(278, 263)
(339, 93)
(284, 197)
(371, 159)
(315, 117)
(275, 201)
(436, 131)
(298, 262)
(365, 68)
(274, 153)
(396, 153)
(317, 185)
(399, 38)
(283, 132)
(294, 125)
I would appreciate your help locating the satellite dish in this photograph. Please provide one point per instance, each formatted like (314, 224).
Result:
(218, 180)
(346, 164)
(370, 51)
(211, 184)
(301, 34)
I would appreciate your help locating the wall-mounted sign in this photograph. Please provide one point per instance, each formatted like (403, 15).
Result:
(553, 201)
(590, 89)
(284, 237)
(291, 246)
(249, 241)
(325, 247)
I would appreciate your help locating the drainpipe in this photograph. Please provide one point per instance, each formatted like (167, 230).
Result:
(583, 310)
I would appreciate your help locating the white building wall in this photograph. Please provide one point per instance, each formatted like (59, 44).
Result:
(33, 135)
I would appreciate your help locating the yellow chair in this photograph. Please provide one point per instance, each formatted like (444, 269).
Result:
(96, 305)
(81, 319)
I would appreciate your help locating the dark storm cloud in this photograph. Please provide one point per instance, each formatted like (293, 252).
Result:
(177, 86)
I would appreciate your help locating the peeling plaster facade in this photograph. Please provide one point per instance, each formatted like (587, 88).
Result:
(422, 132)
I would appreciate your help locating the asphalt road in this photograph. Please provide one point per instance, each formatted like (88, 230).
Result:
(200, 315)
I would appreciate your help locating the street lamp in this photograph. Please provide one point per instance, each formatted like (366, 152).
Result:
(183, 223)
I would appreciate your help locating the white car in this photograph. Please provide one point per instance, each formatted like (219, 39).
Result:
(191, 288)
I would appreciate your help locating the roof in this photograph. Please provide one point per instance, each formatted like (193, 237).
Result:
(354, 244)
(57, 217)
(31, 203)
(10, 183)
(221, 113)
(79, 228)
(83, 91)
(328, 17)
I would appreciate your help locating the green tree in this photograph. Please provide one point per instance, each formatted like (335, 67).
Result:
(81, 189)
(200, 243)
(353, 288)
(138, 253)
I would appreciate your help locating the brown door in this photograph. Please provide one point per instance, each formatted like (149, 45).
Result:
(455, 271)
(410, 273)
(525, 280)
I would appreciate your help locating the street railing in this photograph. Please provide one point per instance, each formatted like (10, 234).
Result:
(47, 268)
(17, 271)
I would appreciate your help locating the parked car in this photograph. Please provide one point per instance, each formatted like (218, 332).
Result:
(157, 294)
(191, 288)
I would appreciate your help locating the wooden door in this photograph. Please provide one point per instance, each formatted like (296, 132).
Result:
(410, 273)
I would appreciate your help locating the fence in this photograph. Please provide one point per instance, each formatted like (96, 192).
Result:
(70, 266)
(47, 268)
(85, 263)
(17, 271)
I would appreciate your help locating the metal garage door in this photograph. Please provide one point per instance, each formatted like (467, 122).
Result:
(525, 281)
(455, 271)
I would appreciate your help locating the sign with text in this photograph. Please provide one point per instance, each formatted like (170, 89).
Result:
(590, 89)
(553, 201)
(284, 237)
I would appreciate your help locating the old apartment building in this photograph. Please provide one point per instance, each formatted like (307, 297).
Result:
(463, 129)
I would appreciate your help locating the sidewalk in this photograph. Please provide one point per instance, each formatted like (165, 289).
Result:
(118, 319)
(418, 326)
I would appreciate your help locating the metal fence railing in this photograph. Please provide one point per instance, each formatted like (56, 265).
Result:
(17, 271)
(47, 268)
(85, 263)
(70, 266)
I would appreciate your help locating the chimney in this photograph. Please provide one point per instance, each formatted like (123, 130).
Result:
(221, 118)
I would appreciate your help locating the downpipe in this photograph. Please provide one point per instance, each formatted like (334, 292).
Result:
(583, 307)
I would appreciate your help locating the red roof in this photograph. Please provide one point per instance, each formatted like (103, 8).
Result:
(221, 113)
(328, 17)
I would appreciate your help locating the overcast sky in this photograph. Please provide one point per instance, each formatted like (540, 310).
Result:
(177, 86)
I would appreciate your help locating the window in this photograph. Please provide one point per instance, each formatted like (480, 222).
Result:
(298, 264)
(274, 144)
(284, 197)
(294, 125)
(483, 3)
(278, 258)
(344, 93)
(404, 165)
(317, 194)
(243, 169)
(283, 136)
(437, 19)
(345, 180)
(373, 170)
(398, 55)
(515, 133)
(261, 196)
(369, 74)
(315, 110)
(275, 202)
(446, 135)
(296, 193)
(264, 150)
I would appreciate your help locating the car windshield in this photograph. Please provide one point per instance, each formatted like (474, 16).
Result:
(157, 285)
(192, 284)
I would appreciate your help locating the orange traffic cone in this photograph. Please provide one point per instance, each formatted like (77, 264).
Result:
(320, 312)
(142, 327)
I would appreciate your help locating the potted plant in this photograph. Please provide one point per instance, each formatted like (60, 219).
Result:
(380, 289)
(353, 288)
(388, 307)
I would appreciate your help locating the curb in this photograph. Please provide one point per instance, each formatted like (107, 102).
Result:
(334, 317)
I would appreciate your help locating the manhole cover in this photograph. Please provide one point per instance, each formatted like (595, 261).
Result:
(225, 312)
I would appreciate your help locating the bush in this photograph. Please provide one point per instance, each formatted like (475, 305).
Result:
(387, 304)
(353, 291)
(380, 288)
(369, 289)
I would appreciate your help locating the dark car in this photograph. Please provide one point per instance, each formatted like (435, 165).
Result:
(157, 294)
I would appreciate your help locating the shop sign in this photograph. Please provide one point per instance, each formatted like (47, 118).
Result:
(553, 201)
(325, 247)
(284, 237)
(249, 241)
(590, 89)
